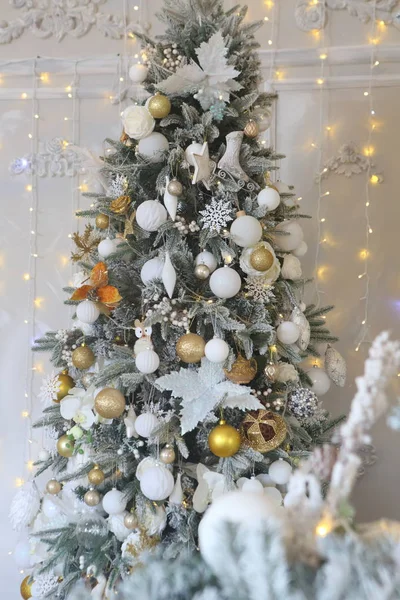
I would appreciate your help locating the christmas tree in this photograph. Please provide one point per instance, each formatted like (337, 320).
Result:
(180, 377)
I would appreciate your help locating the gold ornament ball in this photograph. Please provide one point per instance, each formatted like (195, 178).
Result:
(224, 440)
(190, 348)
(66, 384)
(96, 476)
(92, 498)
(26, 588)
(175, 187)
(251, 130)
(53, 487)
(159, 106)
(202, 272)
(167, 455)
(261, 259)
(242, 371)
(65, 446)
(83, 358)
(102, 221)
(110, 403)
(131, 521)
(271, 372)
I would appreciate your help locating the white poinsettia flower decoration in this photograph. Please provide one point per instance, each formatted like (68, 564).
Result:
(78, 407)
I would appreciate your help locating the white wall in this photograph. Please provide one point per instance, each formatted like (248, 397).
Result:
(344, 108)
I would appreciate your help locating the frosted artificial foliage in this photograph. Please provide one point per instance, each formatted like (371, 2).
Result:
(25, 506)
(216, 215)
(203, 390)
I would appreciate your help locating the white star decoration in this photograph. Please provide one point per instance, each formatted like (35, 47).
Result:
(202, 167)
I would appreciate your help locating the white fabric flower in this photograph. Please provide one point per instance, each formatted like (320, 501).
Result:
(138, 122)
(286, 373)
(268, 276)
(291, 268)
(78, 407)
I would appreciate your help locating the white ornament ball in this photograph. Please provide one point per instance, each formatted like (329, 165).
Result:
(291, 267)
(147, 362)
(43, 455)
(320, 381)
(289, 242)
(288, 332)
(154, 146)
(240, 482)
(114, 502)
(265, 480)
(216, 350)
(22, 554)
(150, 215)
(145, 424)
(116, 525)
(301, 250)
(253, 485)
(280, 472)
(208, 259)
(225, 282)
(152, 269)
(194, 148)
(157, 483)
(268, 198)
(273, 495)
(138, 73)
(138, 122)
(87, 312)
(106, 247)
(246, 231)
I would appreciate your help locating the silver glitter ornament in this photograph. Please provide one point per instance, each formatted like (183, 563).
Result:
(202, 272)
(175, 187)
(303, 403)
(335, 366)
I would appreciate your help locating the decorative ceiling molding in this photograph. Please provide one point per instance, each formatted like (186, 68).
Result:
(310, 15)
(61, 18)
(348, 162)
(55, 158)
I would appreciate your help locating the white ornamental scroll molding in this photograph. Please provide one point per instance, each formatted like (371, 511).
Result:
(310, 15)
(55, 158)
(61, 18)
(348, 162)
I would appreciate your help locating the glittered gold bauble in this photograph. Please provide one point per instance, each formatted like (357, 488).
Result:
(190, 348)
(53, 487)
(224, 440)
(26, 588)
(83, 358)
(92, 498)
(159, 106)
(263, 430)
(96, 476)
(110, 403)
(175, 187)
(242, 371)
(102, 221)
(202, 272)
(65, 446)
(261, 259)
(66, 384)
(120, 205)
(131, 521)
(167, 455)
(271, 372)
(251, 130)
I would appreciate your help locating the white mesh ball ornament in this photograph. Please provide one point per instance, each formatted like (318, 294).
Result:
(145, 423)
(87, 312)
(150, 215)
(157, 483)
(114, 502)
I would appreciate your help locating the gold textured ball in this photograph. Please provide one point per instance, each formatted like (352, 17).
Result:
(96, 476)
(110, 403)
(53, 487)
(175, 187)
(102, 221)
(167, 455)
(92, 498)
(26, 588)
(261, 259)
(131, 521)
(65, 446)
(242, 371)
(263, 430)
(66, 384)
(251, 130)
(159, 106)
(202, 272)
(190, 348)
(271, 372)
(224, 440)
(83, 358)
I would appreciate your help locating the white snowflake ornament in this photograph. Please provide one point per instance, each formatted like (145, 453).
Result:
(117, 186)
(49, 388)
(216, 215)
(260, 289)
(44, 585)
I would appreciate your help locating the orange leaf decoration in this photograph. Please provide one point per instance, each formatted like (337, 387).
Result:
(109, 294)
(81, 293)
(99, 275)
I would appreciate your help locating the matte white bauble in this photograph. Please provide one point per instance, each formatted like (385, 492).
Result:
(301, 250)
(288, 332)
(246, 231)
(50, 507)
(87, 312)
(240, 482)
(145, 424)
(292, 239)
(106, 247)
(225, 282)
(168, 275)
(268, 198)
(150, 215)
(154, 146)
(194, 148)
(273, 495)
(22, 554)
(320, 381)
(147, 362)
(216, 350)
(116, 525)
(152, 269)
(114, 502)
(208, 259)
(43, 455)
(157, 483)
(177, 493)
(146, 463)
(280, 472)
(138, 73)
(265, 480)
(253, 485)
